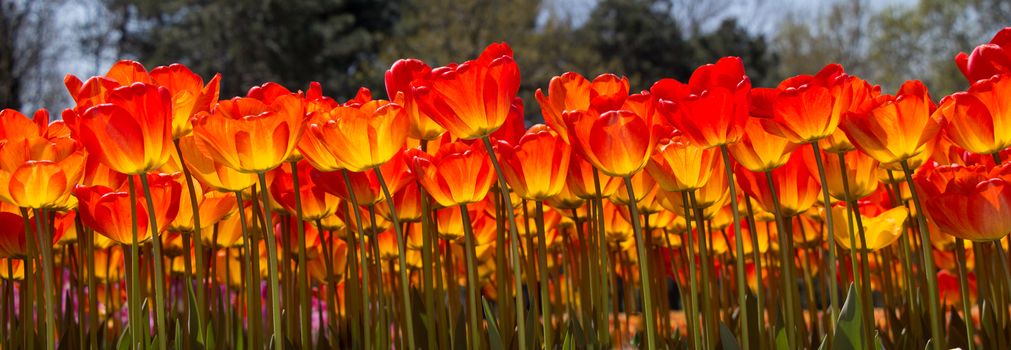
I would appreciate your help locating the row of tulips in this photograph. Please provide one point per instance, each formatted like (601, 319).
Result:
(821, 212)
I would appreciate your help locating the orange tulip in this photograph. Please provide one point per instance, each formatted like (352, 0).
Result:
(210, 172)
(796, 186)
(969, 202)
(12, 234)
(861, 174)
(618, 142)
(897, 128)
(365, 185)
(457, 174)
(189, 94)
(978, 120)
(398, 80)
(407, 203)
(316, 203)
(579, 180)
(712, 108)
(881, 227)
(132, 133)
(355, 138)
(40, 173)
(95, 90)
(680, 165)
(472, 99)
(760, 150)
(535, 167)
(213, 207)
(107, 211)
(805, 108)
(988, 59)
(571, 91)
(250, 135)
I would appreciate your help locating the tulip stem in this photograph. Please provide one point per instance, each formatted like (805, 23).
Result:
(929, 269)
(742, 282)
(159, 271)
(996, 157)
(133, 311)
(542, 261)
(366, 313)
(963, 285)
(469, 252)
(693, 286)
(46, 249)
(853, 209)
(640, 243)
(405, 289)
(603, 296)
(833, 281)
(197, 242)
(513, 245)
(786, 263)
(252, 274)
(303, 267)
(275, 301)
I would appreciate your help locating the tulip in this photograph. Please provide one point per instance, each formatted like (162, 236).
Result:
(988, 59)
(896, 128)
(861, 174)
(760, 150)
(212, 206)
(399, 78)
(315, 202)
(250, 135)
(536, 166)
(210, 172)
(796, 186)
(806, 108)
(968, 202)
(618, 143)
(712, 108)
(355, 138)
(571, 91)
(40, 173)
(881, 227)
(189, 94)
(680, 165)
(978, 119)
(132, 133)
(107, 210)
(471, 100)
(457, 174)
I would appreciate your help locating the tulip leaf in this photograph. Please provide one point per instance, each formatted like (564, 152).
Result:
(781, 341)
(494, 337)
(460, 333)
(179, 336)
(124, 339)
(567, 343)
(848, 331)
(727, 339)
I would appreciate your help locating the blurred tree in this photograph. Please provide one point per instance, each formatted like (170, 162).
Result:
(28, 53)
(291, 42)
(731, 39)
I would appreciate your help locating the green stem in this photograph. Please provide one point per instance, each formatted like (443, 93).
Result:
(133, 289)
(827, 200)
(514, 243)
(542, 261)
(929, 269)
(159, 271)
(46, 248)
(603, 297)
(275, 301)
(405, 283)
(692, 283)
(252, 271)
(742, 282)
(303, 267)
(963, 285)
(469, 252)
(366, 313)
(197, 242)
(640, 243)
(786, 263)
(853, 209)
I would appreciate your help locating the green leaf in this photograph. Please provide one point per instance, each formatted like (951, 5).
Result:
(179, 336)
(727, 339)
(567, 343)
(848, 332)
(494, 337)
(781, 342)
(124, 339)
(209, 342)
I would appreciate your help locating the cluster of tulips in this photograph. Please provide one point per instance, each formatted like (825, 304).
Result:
(821, 212)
